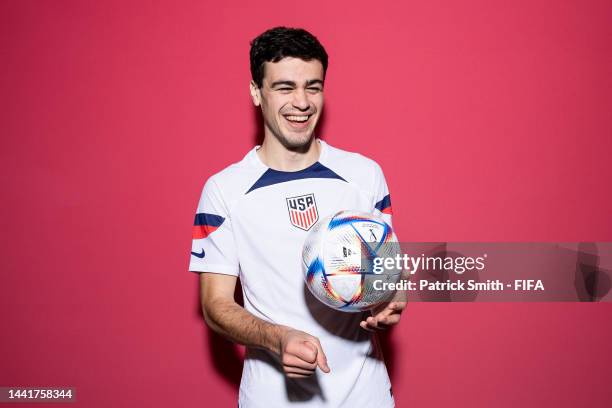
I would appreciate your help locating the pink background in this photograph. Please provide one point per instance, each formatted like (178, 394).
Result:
(492, 121)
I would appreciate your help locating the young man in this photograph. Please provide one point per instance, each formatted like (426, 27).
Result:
(299, 351)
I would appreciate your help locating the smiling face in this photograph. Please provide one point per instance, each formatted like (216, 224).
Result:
(291, 100)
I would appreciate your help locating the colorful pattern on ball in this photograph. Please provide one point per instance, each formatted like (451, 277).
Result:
(337, 259)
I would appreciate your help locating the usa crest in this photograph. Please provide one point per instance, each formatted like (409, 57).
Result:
(303, 211)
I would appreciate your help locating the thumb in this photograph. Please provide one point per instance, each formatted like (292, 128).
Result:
(321, 357)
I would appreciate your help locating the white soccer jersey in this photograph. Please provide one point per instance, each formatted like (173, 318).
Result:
(251, 222)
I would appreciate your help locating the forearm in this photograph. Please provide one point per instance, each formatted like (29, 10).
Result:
(233, 322)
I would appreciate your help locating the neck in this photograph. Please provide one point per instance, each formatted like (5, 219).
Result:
(276, 156)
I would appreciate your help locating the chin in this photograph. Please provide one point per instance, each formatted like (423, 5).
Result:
(297, 142)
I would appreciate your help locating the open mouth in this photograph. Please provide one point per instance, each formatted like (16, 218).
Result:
(297, 120)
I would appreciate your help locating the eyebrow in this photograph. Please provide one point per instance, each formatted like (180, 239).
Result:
(314, 82)
(293, 84)
(279, 83)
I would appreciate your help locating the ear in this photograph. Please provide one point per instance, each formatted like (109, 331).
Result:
(255, 93)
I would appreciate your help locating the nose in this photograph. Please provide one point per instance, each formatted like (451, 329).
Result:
(300, 100)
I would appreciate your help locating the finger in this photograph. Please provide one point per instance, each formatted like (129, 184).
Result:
(304, 351)
(389, 320)
(290, 360)
(397, 306)
(372, 322)
(364, 326)
(321, 357)
(292, 375)
(298, 371)
(384, 324)
(380, 323)
(377, 323)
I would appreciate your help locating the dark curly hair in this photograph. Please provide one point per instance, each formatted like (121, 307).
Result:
(281, 42)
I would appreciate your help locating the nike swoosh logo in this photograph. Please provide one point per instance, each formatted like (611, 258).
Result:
(200, 255)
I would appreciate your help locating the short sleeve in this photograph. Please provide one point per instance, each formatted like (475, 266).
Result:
(213, 248)
(382, 197)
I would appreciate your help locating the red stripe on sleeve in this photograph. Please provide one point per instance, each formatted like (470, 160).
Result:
(202, 231)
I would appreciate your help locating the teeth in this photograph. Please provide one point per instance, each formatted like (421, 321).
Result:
(297, 118)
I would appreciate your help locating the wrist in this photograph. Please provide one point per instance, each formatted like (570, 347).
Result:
(278, 334)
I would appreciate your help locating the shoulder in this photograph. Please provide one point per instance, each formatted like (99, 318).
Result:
(233, 181)
(354, 167)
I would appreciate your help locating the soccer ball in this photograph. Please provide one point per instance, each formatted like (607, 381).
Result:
(338, 260)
